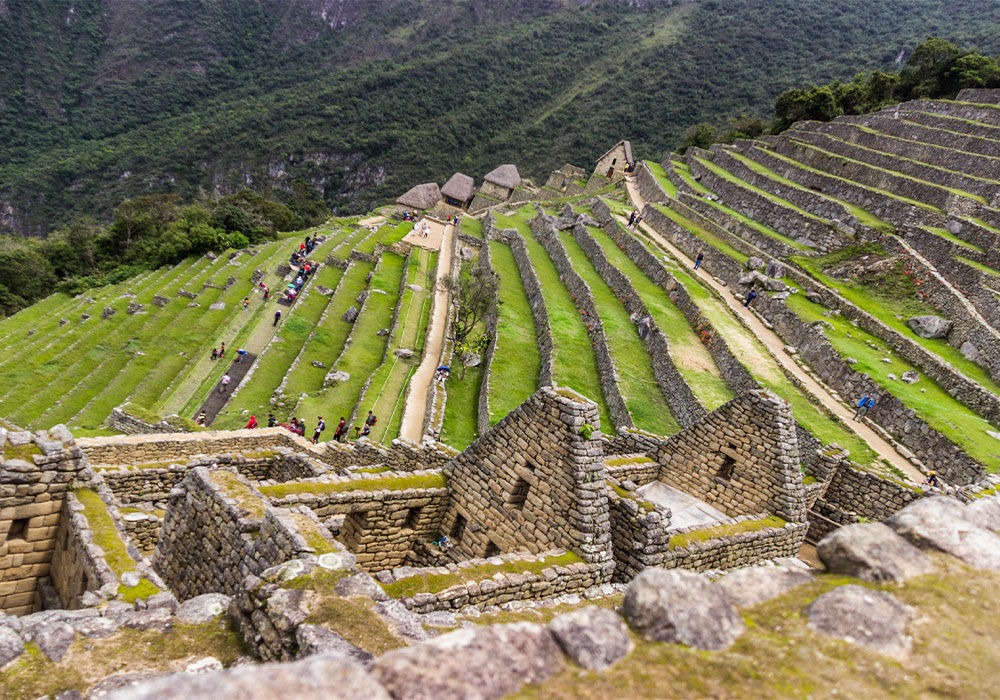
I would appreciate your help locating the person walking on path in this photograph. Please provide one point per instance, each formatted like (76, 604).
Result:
(371, 420)
(200, 420)
(338, 435)
(252, 423)
(631, 218)
(861, 406)
(246, 303)
(267, 293)
(215, 353)
(320, 427)
(222, 352)
(224, 383)
(868, 403)
(270, 420)
(750, 297)
(277, 317)
(697, 262)
(240, 354)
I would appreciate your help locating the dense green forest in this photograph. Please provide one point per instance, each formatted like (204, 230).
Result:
(100, 102)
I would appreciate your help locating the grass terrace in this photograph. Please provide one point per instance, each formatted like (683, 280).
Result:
(978, 266)
(709, 238)
(472, 227)
(685, 539)
(948, 235)
(661, 177)
(433, 480)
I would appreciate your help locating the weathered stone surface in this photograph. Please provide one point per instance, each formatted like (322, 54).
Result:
(54, 639)
(477, 663)
(969, 351)
(754, 263)
(107, 313)
(930, 326)
(871, 552)
(218, 306)
(984, 512)
(592, 637)
(313, 639)
(910, 377)
(318, 365)
(202, 608)
(405, 353)
(11, 645)
(940, 523)
(134, 308)
(756, 584)
(350, 315)
(335, 378)
(859, 615)
(320, 677)
(360, 584)
(679, 606)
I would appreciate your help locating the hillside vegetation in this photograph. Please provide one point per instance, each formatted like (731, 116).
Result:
(100, 102)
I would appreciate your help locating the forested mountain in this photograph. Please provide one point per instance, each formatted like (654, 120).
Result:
(358, 99)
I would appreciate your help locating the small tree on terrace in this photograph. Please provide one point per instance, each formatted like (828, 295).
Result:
(475, 290)
(465, 350)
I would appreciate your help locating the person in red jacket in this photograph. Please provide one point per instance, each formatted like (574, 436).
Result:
(252, 423)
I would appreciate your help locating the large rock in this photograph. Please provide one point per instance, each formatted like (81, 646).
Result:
(202, 608)
(756, 584)
(941, 523)
(107, 313)
(680, 606)
(477, 663)
(11, 645)
(755, 263)
(969, 351)
(350, 315)
(984, 512)
(593, 637)
(871, 552)
(321, 677)
(862, 616)
(930, 326)
(313, 639)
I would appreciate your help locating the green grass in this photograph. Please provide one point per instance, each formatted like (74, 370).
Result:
(978, 266)
(685, 174)
(886, 308)
(365, 352)
(928, 400)
(516, 362)
(702, 233)
(688, 538)
(472, 227)
(397, 233)
(643, 398)
(726, 175)
(435, 480)
(460, 426)
(661, 176)
(240, 492)
(574, 364)
(435, 583)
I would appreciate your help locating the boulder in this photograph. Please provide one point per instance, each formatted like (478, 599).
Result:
(774, 269)
(954, 226)
(415, 287)
(969, 351)
(318, 365)
(871, 552)
(645, 327)
(53, 638)
(475, 663)
(313, 639)
(930, 326)
(757, 584)
(350, 315)
(325, 291)
(84, 317)
(473, 359)
(814, 297)
(755, 263)
(592, 637)
(107, 313)
(984, 512)
(335, 378)
(202, 608)
(11, 645)
(405, 353)
(63, 322)
(910, 377)
(676, 605)
(940, 522)
(320, 677)
(362, 296)
(860, 615)
(134, 308)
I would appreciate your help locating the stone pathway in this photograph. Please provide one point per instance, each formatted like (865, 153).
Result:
(416, 402)
(216, 400)
(776, 346)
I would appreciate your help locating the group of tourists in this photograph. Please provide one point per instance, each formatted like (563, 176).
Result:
(219, 354)
(456, 220)
(634, 219)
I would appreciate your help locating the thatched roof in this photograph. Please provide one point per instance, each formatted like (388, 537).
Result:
(422, 196)
(459, 187)
(628, 150)
(505, 176)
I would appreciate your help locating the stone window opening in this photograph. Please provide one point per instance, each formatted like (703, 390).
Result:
(458, 528)
(519, 495)
(18, 529)
(492, 550)
(358, 520)
(412, 518)
(726, 470)
(613, 161)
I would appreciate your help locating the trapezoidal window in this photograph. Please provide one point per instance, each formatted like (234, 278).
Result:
(18, 529)
(491, 550)
(519, 495)
(412, 518)
(458, 528)
(613, 161)
(726, 470)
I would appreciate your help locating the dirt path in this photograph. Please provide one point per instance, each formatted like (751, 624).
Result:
(776, 346)
(416, 402)
(220, 395)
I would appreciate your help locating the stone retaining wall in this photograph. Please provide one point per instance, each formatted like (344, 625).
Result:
(649, 187)
(78, 566)
(130, 425)
(739, 231)
(739, 550)
(492, 324)
(640, 537)
(143, 529)
(583, 298)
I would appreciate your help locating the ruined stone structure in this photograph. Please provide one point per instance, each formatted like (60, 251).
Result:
(612, 164)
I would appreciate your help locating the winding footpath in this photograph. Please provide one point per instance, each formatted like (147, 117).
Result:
(776, 346)
(415, 412)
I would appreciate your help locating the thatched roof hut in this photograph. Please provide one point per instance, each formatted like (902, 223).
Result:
(504, 176)
(459, 187)
(422, 196)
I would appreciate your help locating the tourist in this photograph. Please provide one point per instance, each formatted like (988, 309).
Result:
(267, 293)
(931, 480)
(251, 424)
(697, 262)
(371, 420)
(341, 430)
(301, 429)
(299, 280)
(277, 317)
(222, 351)
(246, 303)
(631, 218)
(201, 419)
(224, 383)
(320, 427)
(750, 297)
(240, 354)
(270, 420)
(215, 353)
(862, 407)
(367, 431)
(869, 405)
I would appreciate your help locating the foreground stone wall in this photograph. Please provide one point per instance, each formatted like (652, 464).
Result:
(534, 483)
(738, 550)
(639, 535)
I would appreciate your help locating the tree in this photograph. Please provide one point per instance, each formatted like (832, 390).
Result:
(465, 350)
(700, 135)
(975, 71)
(476, 291)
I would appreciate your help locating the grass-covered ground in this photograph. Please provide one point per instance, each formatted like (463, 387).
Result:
(574, 364)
